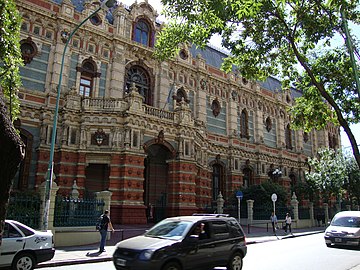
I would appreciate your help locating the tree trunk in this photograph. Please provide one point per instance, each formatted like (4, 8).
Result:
(11, 154)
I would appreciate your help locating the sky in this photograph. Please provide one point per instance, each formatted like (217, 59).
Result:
(345, 143)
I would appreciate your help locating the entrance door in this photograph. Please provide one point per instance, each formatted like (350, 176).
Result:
(156, 181)
(97, 178)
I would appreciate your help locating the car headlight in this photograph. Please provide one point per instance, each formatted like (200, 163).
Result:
(146, 255)
(351, 235)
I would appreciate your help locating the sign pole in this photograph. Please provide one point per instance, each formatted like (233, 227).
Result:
(239, 196)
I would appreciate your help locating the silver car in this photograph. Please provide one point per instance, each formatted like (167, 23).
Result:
(344, 229)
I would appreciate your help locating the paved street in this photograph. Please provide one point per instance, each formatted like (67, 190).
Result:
(298, 253)
(89, 254)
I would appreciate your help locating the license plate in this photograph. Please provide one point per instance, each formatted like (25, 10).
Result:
(338, 240)
(121, 262)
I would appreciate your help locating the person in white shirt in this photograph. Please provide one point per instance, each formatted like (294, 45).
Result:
(287, 223)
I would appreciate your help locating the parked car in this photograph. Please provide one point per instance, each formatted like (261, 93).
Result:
(23, 247)
(184, 243)
(344, 229)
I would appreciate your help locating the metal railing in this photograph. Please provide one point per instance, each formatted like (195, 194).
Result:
(25, 208)
(71, 212)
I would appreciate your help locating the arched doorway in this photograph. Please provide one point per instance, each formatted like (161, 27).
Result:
(156, 181)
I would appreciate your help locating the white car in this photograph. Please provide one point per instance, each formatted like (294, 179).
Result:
(344, 229)
(23, 247)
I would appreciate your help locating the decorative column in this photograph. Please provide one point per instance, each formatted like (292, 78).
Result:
(250, 207)
(220, 203)
(74, 191)
(295, 205)
(311, 212)
(106, 196)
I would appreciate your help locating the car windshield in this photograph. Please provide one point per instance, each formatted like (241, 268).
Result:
(346, 222)
(170, 229)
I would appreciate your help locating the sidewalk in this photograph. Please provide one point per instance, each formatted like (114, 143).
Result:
(89, 253)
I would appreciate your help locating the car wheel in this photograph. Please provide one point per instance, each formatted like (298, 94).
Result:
(172, 266)
(328, 245)
(23, 261)
(236, 262)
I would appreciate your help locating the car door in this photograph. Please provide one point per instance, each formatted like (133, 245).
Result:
(199, 251)
(12, 242)
(222, 242)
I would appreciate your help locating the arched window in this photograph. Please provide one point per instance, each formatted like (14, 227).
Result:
(218, 183)
(288, 140)
(141, 79)
(88, 71)
(268, 124)
(247, 178)
(181, 95)
(215, 107)
(244, 124)
(142, 32)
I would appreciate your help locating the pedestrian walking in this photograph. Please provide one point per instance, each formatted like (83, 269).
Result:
(105, 224)
(288, 223)
(274, 220)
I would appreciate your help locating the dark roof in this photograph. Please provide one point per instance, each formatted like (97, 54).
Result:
(214, 57)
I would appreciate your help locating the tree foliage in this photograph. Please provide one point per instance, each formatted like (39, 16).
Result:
(261, 194)
(328, 173)
(12, 148)
(10, 54)
(274, 38)
(352, 185)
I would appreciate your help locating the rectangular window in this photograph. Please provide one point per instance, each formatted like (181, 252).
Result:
(85, 87)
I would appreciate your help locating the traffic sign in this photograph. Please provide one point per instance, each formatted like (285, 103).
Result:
(274, 197)
(239, 195)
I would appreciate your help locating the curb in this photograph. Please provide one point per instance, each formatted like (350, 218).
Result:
(73, 262)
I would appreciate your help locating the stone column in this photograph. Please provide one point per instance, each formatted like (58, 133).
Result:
(42, 190)
(106, 196)
(74, 191)
(295, 204)
(250, 207)
(220, 204)
(311, 211)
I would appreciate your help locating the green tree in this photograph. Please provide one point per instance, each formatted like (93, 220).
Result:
(261, 194)
(12, 148)
(276, 37)
(352, 185)
(328, 173)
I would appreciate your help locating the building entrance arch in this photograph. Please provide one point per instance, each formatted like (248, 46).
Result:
(156, 181)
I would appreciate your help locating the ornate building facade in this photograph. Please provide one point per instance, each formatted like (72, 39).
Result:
(171, 135)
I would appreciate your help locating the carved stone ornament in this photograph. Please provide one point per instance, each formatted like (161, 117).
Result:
(99, 137)
(28, 50)
(160, 138)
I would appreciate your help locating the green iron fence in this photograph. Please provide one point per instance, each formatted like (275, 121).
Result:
(263, 212)
(71, 212)
(25, 208)
(304, 212)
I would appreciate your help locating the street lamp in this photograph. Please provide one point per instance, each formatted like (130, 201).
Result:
(106, 4)
(276, 174)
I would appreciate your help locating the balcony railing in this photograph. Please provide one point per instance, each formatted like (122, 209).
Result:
(159, 113)
(96, 104)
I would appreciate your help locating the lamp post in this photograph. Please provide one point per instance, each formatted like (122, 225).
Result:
(106, 4)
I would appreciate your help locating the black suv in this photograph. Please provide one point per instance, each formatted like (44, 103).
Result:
(186, 242)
